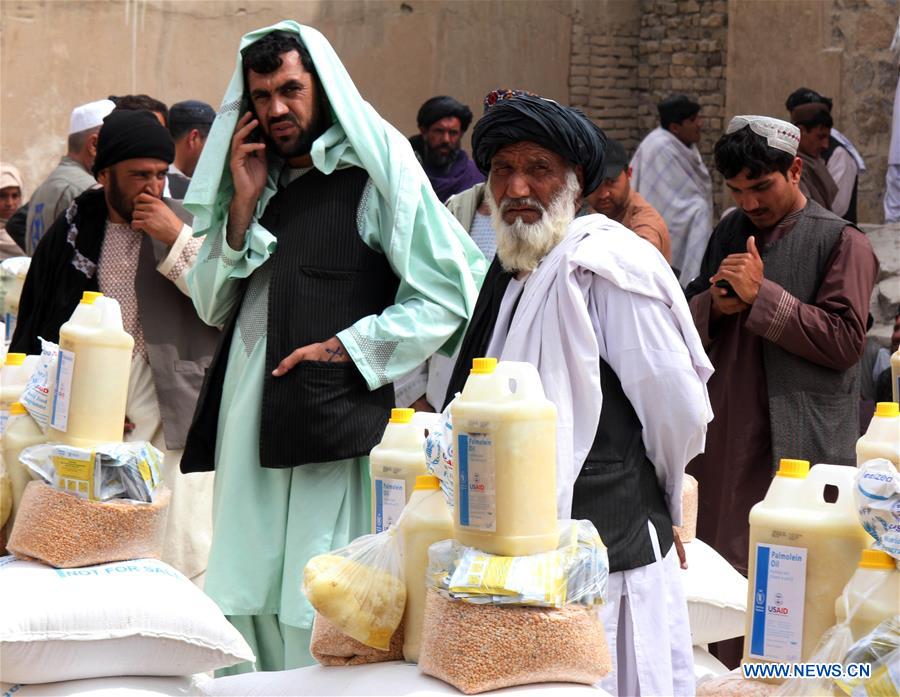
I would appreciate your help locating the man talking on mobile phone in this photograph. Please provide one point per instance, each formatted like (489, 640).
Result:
(785, 335)
(334, 270)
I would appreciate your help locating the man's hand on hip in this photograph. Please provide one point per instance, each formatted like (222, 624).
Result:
(155, 218)
(331, 351)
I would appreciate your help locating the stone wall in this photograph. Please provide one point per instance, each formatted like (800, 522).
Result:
(840, 48)
(862, 31)
(739, 57)
(885, 303)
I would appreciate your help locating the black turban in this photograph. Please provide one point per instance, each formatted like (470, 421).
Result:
(564, 130)
(438, 108)
(126, 135)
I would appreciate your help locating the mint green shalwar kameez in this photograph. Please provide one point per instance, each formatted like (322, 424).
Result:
(268, 522)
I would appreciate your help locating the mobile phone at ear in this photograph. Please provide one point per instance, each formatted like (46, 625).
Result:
(255, 136)
(722, 283)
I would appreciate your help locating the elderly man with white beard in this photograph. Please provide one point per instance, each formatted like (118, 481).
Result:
(602, 317)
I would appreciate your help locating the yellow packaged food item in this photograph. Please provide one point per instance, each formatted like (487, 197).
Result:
(360, 588)
(576, 572)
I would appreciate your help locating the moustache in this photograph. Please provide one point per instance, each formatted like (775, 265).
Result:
(526, 202)
(289, 118)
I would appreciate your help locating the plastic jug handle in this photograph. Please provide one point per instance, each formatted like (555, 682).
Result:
(840, 477)
(110, 312)
(527, 380)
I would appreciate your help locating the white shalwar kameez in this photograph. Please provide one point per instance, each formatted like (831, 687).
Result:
(605, 293)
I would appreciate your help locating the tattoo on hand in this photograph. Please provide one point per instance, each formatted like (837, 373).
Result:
(335, 353)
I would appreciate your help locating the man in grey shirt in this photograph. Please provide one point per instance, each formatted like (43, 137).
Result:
(72, 175)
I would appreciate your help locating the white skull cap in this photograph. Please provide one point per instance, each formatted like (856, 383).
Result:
(89, 115)
(778, 134)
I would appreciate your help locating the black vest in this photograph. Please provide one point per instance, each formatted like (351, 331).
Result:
(324, 279)
(617, 488)
(813, 409)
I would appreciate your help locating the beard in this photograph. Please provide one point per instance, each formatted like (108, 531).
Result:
(521, 245)
(118, 201)
(438, 159)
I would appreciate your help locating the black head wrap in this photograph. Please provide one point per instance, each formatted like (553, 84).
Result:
(564, 130)
(126, 135)
(438, 108)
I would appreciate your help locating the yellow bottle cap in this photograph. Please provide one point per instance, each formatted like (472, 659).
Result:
(15, 358)
(89, 297)
(876, 559)
(427, 481)
(17, 409)
(402, 416)
(888, 410)
(484, 366)
(798, 469)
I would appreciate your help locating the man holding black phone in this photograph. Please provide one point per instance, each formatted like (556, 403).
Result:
(334, 270)
(780, 303)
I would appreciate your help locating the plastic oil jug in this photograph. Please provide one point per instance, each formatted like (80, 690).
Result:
(425, 520)
(12, 279)
(21, 432)
(92, 376)
(895, 375)
(882, 439)
(395, 463)
(872, 595)
(504, 440)
(14, 375)
(803, 551)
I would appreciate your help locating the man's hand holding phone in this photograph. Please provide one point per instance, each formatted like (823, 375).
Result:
(736, 283)
(249, 170)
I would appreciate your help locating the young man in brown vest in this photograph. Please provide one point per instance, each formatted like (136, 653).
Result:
(781, 305)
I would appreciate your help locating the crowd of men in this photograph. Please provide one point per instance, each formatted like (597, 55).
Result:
(292, 266)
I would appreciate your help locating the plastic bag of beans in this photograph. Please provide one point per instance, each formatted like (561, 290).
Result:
(477, 648)
(66, 531)
(331, 647)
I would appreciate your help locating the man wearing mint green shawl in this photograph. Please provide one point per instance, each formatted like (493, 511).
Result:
(333, 269)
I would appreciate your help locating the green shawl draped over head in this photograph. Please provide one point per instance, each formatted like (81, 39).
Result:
(359, 137)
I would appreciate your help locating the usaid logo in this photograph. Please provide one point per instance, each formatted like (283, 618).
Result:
(778, 608)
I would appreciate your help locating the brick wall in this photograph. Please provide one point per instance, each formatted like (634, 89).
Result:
(683, 48)
(620, 72)
(603, 78)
